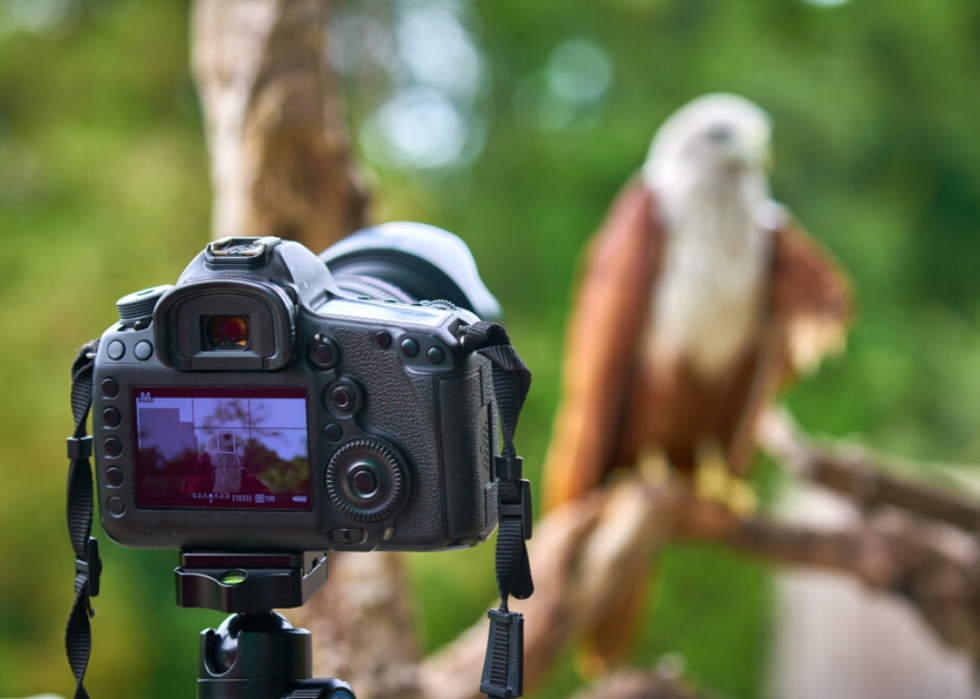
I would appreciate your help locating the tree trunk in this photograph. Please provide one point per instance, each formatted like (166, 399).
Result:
(280, 154)
(281, 165)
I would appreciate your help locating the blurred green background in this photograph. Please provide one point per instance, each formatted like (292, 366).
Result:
(512, 123)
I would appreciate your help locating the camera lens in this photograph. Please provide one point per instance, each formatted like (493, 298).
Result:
(227, 332)
(366, 480)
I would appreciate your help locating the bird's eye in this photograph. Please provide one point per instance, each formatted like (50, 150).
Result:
(720, 133)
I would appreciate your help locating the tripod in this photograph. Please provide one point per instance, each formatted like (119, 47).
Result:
(255, 653)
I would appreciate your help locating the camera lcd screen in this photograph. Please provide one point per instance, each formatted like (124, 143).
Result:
(222, 448)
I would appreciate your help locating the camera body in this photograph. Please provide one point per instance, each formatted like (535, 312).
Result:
(265, 403)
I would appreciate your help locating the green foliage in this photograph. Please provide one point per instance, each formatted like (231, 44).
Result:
(103, 190)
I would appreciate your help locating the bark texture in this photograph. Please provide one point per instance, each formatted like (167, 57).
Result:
(363, 627)
(280, 154)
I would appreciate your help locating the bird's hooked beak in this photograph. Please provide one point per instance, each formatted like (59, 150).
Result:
(750, 147)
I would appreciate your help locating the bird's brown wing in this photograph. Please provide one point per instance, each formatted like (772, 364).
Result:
(810, 308)
(604, 333)
(812, 294)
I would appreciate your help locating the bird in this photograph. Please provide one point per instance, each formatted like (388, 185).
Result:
(699, 299)
(226, 450)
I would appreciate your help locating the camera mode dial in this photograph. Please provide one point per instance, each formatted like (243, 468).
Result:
(140, 304)
(367, 480)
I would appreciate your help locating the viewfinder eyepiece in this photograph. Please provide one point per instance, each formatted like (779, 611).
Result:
(226, 332)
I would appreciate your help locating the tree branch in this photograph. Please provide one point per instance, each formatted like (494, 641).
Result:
(861, 474)
(932, 566)
(585, 549)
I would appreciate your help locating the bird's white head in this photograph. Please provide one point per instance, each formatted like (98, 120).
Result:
(715, 137)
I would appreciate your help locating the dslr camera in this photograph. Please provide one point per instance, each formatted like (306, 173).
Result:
(277, 400)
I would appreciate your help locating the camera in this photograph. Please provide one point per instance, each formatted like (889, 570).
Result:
(273, 399)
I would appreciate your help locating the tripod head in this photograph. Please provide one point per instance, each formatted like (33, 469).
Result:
(255, 653)
(249, 582)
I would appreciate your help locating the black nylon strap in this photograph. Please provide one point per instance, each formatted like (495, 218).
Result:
(513, 566)
(503, 667)
(511, 382)
(78, 633)
(511, 378)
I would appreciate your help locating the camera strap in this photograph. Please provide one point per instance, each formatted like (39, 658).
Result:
(88, 565)
(503, 667)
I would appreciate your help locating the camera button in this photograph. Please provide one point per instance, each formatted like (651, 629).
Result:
(436, 355)
(363, 482)
(382, 339)
(111, 417)
(338, 536)
(355, 536)
(342, 398)
(143, 350)
(333, 432)
(117, 508)
(113, 447)
(409, 347)
(324, 353)
(116, 349)
(110, 389)
(114, 477)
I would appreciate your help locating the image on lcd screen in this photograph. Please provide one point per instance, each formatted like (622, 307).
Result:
(222, 448)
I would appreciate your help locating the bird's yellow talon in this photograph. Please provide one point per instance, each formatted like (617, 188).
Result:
(652, 465)
(713, 481)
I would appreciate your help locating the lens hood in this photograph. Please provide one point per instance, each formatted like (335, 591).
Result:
(424, 262)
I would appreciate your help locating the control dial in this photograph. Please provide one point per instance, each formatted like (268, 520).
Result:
(140, 304)
(367, 480)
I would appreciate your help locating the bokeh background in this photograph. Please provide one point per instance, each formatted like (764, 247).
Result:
(513, 124)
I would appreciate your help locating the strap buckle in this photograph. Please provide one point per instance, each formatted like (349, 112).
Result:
(91, 566)
(79, 448)
(503, 665)
(508, 468)
(522, 508)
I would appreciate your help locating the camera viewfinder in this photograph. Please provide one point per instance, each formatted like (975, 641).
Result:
(226, 332)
